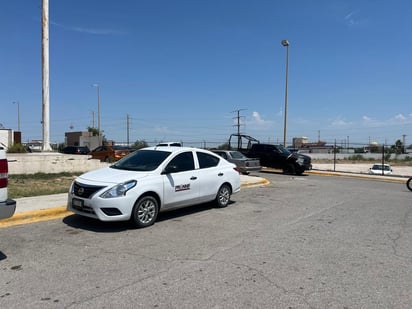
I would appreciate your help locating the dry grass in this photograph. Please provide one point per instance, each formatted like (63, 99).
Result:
(39, 184)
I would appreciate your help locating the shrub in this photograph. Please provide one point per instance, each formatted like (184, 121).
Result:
(17, 148)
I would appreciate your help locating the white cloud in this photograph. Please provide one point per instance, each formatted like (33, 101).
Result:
(258, 122)
(339, 122)
(354, 18)
(400, 117)
(89, 30)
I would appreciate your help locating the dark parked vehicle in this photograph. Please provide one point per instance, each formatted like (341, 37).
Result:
(275, 156)
(83, 150)
(244, 164)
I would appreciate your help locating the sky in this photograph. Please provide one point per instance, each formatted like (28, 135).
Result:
(183, 70)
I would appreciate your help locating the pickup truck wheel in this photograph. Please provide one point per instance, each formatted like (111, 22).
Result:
(145, 211)
(223, 196)
(409, 183)
(289, 169)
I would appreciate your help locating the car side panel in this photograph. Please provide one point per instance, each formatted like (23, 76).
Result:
(180, 189)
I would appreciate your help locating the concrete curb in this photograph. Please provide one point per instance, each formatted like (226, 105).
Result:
(357, 175)
(26, 217)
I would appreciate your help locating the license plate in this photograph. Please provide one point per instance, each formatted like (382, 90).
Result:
(77, 203)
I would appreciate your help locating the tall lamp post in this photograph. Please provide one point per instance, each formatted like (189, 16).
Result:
(285, 43)
(98, 112)
(18, 115)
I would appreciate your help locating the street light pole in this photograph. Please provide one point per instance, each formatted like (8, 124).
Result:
(285, 43)
(98, 112)
(18, 115)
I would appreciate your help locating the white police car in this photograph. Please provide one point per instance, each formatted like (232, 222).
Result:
(151, 180)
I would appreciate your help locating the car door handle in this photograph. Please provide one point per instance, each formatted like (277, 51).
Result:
(220, 174)
(193, 178)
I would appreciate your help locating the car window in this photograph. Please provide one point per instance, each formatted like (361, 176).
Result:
(237, 155)
(206, 160)
(222, 154)
(182, 162)
(142, 160)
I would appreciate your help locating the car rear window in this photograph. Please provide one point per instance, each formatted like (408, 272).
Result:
(206, 160)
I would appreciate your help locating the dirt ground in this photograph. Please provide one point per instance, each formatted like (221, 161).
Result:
(362, 168)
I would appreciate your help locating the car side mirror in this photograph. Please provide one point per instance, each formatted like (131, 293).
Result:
(170, 169)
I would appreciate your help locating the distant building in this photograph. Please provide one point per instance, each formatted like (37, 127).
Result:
(299, 141)
(302, 144)
(8, 137)
(81, 139)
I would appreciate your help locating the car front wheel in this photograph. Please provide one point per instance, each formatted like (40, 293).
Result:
(409, 183)
(223, 196)
(145, 211)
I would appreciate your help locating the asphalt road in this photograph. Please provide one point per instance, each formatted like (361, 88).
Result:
(300, 242)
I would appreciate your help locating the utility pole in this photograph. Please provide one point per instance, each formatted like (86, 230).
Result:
(18, 115)
(98, 112)
(239, 139)
(403, 143)
(45, 77)
(128, 128)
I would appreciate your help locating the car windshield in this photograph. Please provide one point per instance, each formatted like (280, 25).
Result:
(142, 160)
(283, 150)
(237, 155)
(379, 167)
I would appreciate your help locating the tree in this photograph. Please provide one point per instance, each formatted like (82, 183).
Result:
(398, 147)
(140, 144)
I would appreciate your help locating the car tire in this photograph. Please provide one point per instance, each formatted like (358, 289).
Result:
(289, 169)
(223, 196)
(145, 211)
(409, 184)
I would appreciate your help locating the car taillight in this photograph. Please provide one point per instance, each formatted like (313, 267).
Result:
(4, 172)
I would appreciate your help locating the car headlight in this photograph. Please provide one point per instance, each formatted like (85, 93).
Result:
(119, 190)
(300, 161)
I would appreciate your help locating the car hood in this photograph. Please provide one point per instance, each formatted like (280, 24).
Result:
(296, 156)
(110, 175)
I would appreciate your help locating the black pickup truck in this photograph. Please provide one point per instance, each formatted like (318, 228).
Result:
(275, 156)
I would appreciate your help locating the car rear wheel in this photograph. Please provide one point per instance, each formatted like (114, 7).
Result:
(145, 211)
(223, 196)
(409, 183)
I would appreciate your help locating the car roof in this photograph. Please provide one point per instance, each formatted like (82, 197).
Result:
(175, 149)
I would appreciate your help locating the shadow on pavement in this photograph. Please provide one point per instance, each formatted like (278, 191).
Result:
(2, 256)
(94, 225)
(279, 172)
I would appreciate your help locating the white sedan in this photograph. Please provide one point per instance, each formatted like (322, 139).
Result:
(151, 180)
(380, 169)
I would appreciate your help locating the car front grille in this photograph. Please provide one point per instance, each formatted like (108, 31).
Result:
(85, 191)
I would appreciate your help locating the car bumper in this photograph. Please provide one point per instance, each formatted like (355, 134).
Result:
(116, 209)
(249, 169)
(7, 209)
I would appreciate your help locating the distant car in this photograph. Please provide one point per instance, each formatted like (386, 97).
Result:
(243, 163)
(110, 153)
(83, 150)
(377, 169)
(151, 180)
(170, 144)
